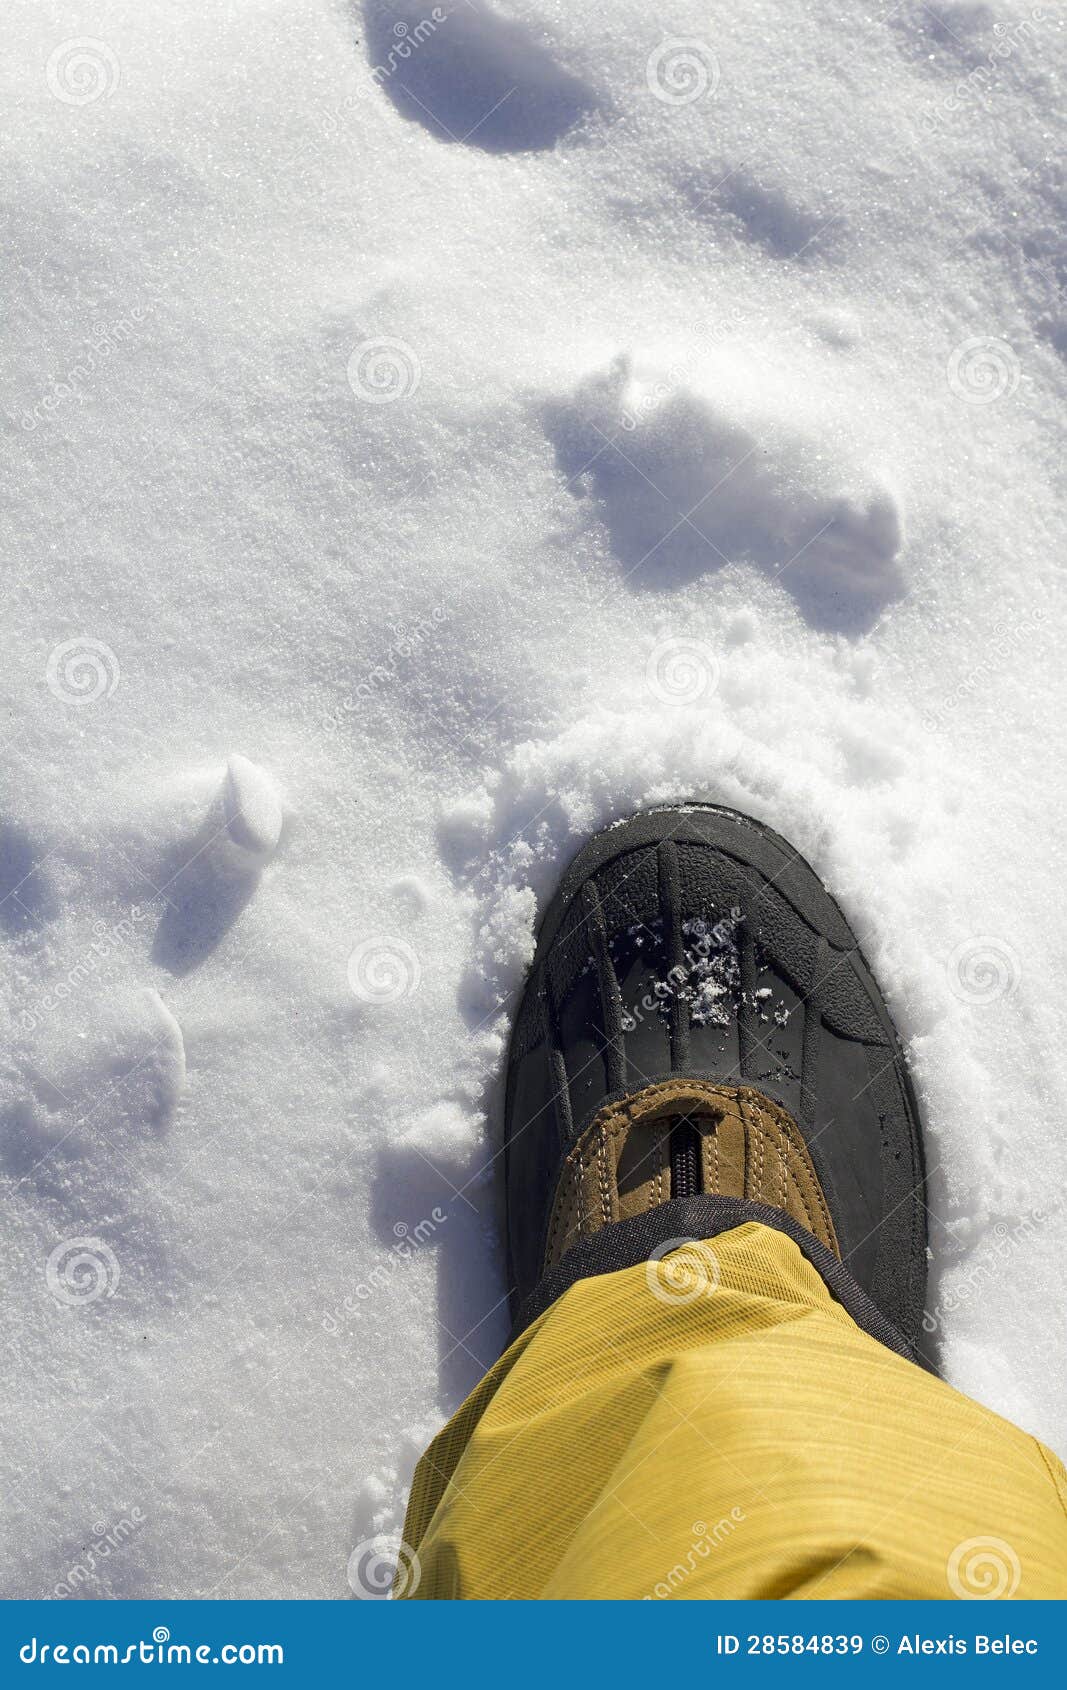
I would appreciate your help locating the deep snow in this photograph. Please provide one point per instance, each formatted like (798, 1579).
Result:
(409, 470)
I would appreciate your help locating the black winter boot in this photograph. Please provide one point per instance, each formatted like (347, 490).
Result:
(699, 1021)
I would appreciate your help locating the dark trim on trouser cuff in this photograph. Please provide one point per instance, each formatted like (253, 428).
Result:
(624, 1244)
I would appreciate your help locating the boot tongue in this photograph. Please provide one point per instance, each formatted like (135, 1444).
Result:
(679, 1138)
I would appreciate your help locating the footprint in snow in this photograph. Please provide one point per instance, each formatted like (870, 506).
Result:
(767, 214)
(213, 875)
(687, 483)
(470, 76)
(126, 1073)
(138, 1066)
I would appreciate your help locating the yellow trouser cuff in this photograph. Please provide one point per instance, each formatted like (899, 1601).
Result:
(715, 1425)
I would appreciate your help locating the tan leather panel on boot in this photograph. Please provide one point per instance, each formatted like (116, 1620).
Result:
(621, 1166)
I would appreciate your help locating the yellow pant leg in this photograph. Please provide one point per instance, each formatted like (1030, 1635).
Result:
(726, 1430)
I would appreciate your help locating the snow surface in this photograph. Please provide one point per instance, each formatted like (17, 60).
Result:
(406, 474)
